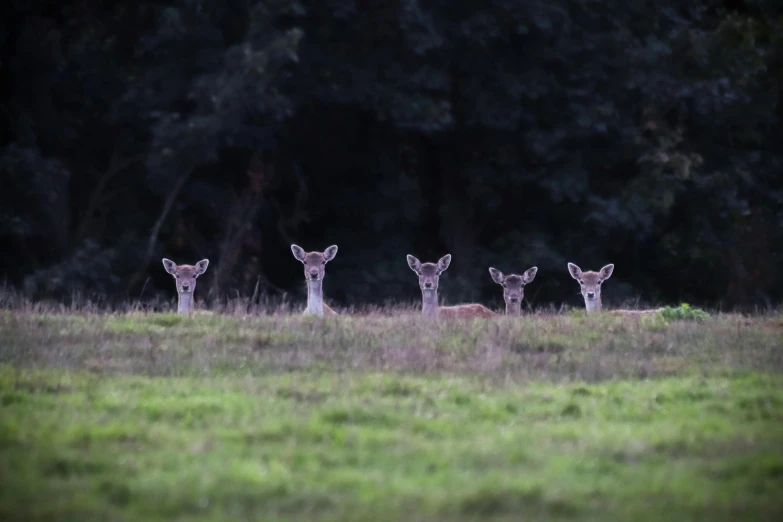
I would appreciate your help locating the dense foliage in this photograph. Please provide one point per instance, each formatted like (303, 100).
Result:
(508, 133)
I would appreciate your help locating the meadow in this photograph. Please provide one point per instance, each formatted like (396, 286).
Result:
(383, 416)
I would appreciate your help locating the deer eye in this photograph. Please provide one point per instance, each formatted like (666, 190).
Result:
(323, 262)
(582, 283)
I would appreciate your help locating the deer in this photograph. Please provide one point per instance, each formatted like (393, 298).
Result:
(185, 279)
(314, 272)
(590, 284)
(429, 274)
(513, 287)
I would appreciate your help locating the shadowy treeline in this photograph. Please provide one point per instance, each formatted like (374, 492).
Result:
(508, 133)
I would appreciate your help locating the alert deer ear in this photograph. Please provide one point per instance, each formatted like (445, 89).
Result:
(444, 262)
(606, 272)
(170, 266)
(298, 252)
(575, 271)
(529, 274)
(414, 263)
(330, 252)
(201, 267)
(497, 275)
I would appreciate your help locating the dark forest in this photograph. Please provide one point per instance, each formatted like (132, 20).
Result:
(508, 133)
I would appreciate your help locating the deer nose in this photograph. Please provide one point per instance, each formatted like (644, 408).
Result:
(427, 285)
(590, 295)
(513, 299)
(185, 286)
(313, 275)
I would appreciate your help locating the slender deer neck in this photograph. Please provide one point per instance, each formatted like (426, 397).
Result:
(429, 302)
(315, 297)
(593, 306)
(513, 308)
(185, 303)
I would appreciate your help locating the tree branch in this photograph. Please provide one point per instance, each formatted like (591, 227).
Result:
(116, 166)
(153, 239)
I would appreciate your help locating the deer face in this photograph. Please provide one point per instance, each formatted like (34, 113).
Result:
(429, 273)
(314, 262)
(590, 282)
(185, 275)
(513, 285)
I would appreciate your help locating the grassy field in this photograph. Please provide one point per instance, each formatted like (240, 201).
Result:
(128, 417)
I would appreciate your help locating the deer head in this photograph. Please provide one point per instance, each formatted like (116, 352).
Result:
(185, 279)
(513, 287)
(314, 262)
(590, 284)
(429, 273)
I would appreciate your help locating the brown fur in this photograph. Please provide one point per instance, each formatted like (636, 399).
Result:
(429, 277)
(651, 311)
(590, 285)
(466, 311)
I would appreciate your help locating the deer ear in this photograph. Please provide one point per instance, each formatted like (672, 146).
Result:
(330, 252)
(575, 271)
(299, 252)
(529, 274)
(170, 266)
(497, 275)
(414, 263)
(201, 267)
(444, 262)
(606, 272)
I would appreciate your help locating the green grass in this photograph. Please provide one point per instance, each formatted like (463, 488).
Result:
(546, 417)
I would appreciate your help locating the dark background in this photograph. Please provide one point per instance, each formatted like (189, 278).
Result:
(508, 133)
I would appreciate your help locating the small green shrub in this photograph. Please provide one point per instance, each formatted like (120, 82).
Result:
(684, 312)
(655, 322)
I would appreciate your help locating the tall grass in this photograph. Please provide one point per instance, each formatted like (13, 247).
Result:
(251, 412)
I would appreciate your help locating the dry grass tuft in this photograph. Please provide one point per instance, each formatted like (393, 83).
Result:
(548, 345)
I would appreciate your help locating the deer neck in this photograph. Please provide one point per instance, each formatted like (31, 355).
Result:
(315, 297)
(513, 308)
(593, 306)
(185, 303)
(429, 302)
